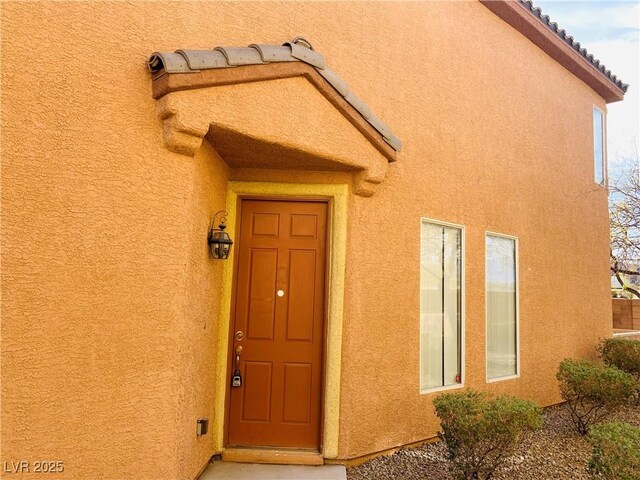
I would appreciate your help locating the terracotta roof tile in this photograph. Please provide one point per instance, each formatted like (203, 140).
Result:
(569, 40)
(298, 50)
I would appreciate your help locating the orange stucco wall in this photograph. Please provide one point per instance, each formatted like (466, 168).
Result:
(109, 302)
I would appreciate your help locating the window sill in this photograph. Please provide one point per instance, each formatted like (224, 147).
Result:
(455, 386)
(501, 379)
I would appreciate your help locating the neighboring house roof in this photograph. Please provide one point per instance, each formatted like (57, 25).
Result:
(555, 42)
(298, 50)
(569, 40)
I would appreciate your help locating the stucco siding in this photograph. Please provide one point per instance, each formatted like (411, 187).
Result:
(110, 303)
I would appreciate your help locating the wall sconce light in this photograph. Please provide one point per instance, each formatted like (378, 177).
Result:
(219, 241)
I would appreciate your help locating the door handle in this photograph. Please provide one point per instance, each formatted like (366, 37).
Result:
(236, 380)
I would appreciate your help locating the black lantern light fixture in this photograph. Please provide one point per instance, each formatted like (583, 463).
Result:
(219, 241)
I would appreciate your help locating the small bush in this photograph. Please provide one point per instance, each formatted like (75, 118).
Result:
(593, 391)
(624, 354)
(616, 451)
(480, 432)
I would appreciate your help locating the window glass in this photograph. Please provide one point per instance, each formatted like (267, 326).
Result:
(598, 145)
(440, 305)
(501, 307)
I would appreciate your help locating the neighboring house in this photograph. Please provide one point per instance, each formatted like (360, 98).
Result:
(411, 202)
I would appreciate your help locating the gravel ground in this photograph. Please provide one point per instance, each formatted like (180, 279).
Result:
(555, 452)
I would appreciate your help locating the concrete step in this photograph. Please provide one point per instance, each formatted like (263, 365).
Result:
(255, 471)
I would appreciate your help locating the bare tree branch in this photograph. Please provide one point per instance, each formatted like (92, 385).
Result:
(624, 214)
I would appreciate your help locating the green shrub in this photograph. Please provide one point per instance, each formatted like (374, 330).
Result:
(593, 391)
(624, 354)
(480, 432)
(616, 451)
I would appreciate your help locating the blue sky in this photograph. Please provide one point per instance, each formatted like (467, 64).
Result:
(610, 30)
(596, 21)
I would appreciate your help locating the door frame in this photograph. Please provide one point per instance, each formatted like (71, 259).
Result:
(337, 197)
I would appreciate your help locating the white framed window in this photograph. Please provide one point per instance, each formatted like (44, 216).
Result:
(501, 274)
(600, 172)
(441, 306)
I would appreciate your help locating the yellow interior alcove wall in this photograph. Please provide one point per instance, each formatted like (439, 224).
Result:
(333, 348)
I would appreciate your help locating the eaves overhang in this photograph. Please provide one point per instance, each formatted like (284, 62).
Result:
(562, 47)
(270, 107)
(192, 69)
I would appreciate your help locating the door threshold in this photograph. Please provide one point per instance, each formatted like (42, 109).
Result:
(271, 455)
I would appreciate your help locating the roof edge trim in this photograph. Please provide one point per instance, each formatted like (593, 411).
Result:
(555, 42)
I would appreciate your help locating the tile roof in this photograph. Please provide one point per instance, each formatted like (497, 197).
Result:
(569, 40)
(297, 50)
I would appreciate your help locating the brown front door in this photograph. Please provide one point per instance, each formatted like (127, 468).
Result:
(279, 308)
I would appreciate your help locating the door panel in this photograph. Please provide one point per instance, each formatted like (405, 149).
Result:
(281, 248)
(265, 224)
(263, 269)
(257, 376)
(300, 304)
(297, 387)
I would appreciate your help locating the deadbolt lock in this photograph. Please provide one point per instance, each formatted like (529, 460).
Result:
(239, 335)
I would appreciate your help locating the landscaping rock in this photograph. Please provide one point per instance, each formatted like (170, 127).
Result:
(556, 452)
